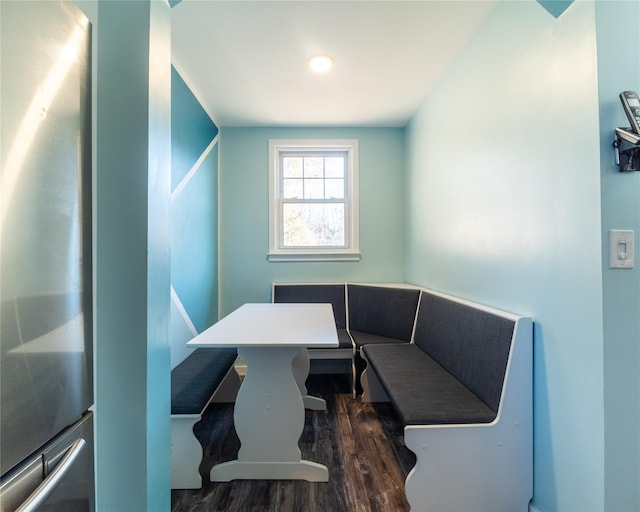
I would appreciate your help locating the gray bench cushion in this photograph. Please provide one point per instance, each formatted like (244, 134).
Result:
(366, 338)
(471, 344)
(195, 379)
(421, 391)
(382, 310)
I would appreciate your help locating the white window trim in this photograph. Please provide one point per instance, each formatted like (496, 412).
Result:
(349, 253)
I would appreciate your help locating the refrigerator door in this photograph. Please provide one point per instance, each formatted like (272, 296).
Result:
(59, 479)
(45, 224)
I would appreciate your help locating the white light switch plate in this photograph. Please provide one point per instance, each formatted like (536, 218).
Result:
(621, 248)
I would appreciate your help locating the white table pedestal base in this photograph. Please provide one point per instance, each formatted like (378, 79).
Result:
(269, 419)
(301, 365)
(314, 403)
(303, 470)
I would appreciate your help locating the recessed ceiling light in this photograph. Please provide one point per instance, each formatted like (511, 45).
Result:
(320, 63)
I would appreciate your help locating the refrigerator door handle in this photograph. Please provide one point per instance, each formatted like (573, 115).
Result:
(50, 483)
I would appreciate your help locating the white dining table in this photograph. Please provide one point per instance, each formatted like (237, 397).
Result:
(269, 416)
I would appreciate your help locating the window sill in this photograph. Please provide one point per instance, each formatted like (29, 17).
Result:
(315, 256)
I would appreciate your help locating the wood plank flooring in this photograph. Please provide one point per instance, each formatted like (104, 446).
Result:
(361, 444)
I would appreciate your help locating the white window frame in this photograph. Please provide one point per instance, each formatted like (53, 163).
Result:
(351, 251)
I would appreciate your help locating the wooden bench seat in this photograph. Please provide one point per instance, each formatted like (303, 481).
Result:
(206, 375)
(463, 392)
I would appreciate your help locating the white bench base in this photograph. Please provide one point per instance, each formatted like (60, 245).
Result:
(186, 450)
(486, 467)
(372, 390)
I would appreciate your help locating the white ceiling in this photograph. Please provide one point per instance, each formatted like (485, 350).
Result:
(246, 60)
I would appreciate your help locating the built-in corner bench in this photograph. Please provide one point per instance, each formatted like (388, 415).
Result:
(458, 374)
(207, 375)
(463, 391)
(364, 313)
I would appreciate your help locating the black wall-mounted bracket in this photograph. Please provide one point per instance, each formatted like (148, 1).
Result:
(626, 146)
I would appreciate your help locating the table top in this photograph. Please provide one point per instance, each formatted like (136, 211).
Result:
(272, 324)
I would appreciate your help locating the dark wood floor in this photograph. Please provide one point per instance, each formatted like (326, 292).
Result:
(361, 444)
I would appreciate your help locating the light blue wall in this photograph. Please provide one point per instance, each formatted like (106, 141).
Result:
(618, 70)
(245, 273)
(503, 189)
(132, 178)
(158, 375)
(194, 218)
(192, 130)
(194, 241)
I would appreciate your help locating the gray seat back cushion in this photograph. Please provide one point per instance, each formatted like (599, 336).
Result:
(381, 310)
(315, 293)
(471, 344)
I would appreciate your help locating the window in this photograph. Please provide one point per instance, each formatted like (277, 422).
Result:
(313, 208)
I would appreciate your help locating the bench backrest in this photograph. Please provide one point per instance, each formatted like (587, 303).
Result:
(383, 310)
(315, 293)
(472, 344)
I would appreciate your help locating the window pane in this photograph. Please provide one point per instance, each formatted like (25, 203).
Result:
(292, 167)
(292, 189)
(313, 167)
(314, 189)
(334, 167)
(313, 225)
(334, 189)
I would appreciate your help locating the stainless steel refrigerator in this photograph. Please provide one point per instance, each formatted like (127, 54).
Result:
(46, 340)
